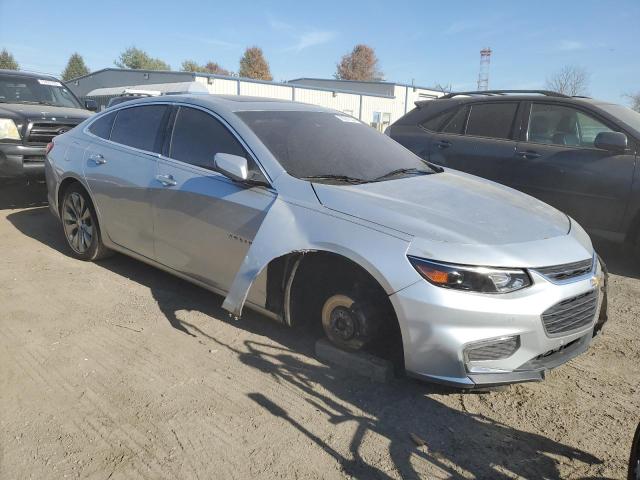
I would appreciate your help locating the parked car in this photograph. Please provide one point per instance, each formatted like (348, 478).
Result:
(634, 459)
(34, 108)
(308, 215)
(575, 153)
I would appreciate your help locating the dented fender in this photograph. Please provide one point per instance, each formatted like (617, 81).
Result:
(290, 227)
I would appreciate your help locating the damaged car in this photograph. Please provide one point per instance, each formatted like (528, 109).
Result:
(314, 219)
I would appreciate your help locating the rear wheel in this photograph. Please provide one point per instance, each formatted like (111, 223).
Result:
(634, 461)
(80, 225)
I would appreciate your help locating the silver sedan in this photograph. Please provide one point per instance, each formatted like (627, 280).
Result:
(311, 217)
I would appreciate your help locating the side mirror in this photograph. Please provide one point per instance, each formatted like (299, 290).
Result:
(91, 105)
(233, 166)
(611, 141)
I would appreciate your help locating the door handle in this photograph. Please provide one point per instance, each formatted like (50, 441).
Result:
(528, 154)
(442, 144)
(97, 158)
(166, 180)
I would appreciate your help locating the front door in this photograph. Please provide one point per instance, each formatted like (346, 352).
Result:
(557, 162)
(204, 222)
(120, 167)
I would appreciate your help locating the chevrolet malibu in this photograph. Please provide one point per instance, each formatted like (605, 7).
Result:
(312, 218)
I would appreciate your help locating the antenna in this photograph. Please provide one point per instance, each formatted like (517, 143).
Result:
(483, 76)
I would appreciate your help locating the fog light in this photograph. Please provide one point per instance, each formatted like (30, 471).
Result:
(494, 349)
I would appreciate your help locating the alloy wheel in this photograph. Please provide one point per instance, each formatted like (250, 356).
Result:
(78, 223)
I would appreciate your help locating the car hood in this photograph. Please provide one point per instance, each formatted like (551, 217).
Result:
(18, 111)
(448, 207)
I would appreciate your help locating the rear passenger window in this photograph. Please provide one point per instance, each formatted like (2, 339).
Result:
(493, 120)
(139, 127)
(456, 124)
(433, 124)
(102, 126)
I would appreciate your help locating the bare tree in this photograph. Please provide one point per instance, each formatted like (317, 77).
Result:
(443, 88)
(570, 80)
(360, 64)
(634, 100)
(254, 65)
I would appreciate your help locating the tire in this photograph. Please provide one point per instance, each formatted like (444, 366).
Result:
(80, 225)
(351, 317)
(634, 459)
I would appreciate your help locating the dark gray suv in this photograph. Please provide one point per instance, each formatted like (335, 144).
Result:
(575, 153)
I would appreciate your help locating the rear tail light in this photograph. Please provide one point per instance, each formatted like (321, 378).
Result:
(50, 146)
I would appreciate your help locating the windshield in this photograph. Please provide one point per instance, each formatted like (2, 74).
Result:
(38, 91)
(316, 144)
(625, 114)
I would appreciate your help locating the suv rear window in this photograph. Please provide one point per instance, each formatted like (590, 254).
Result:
(434, 124)
(139, 127)
(456, 124)
(493, 120)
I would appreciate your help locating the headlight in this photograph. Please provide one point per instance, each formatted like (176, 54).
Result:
(471, 279)
(8, 129)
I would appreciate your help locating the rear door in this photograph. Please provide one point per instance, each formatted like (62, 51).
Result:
(120, 168)
(204, 222)
(478, 139)
(557, 162)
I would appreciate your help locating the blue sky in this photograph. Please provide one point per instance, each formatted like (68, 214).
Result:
(424, 41)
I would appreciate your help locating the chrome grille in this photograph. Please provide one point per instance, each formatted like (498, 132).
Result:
(567, 271)
(571, 314)
(44, 132)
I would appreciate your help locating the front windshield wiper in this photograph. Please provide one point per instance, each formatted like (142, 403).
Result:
(339, 178)
(400, 171)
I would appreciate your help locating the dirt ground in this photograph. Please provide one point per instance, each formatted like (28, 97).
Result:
(119, 371)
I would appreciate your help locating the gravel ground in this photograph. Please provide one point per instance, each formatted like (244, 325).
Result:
(119, 371)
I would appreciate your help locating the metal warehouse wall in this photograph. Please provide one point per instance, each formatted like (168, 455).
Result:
(371, 106)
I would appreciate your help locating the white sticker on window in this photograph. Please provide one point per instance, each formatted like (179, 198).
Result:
(51, 83)
(344, 118)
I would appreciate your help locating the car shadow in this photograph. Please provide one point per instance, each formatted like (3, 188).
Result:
(22, 194)
(404, 413)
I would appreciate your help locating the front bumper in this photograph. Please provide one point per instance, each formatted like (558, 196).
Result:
(439, 324)
(18, 161)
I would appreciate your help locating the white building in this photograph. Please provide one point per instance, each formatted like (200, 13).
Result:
(376, 103)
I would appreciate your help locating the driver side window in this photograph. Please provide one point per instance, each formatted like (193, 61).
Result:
(197, 137)
(560, 125)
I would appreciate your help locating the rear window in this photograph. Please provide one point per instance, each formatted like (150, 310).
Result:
(139, 127)
(433, 124)
(456, 123)
(310, 143)
(493, 120)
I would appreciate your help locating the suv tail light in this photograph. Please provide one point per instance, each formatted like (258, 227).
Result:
(50, 146)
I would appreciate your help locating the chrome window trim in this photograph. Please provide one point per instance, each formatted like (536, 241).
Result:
(86, 131)
(244, 144)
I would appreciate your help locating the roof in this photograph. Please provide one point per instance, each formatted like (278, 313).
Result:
(235, 103)
(193, 75)
(464, 97)
(21, 73)
(371, 82)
